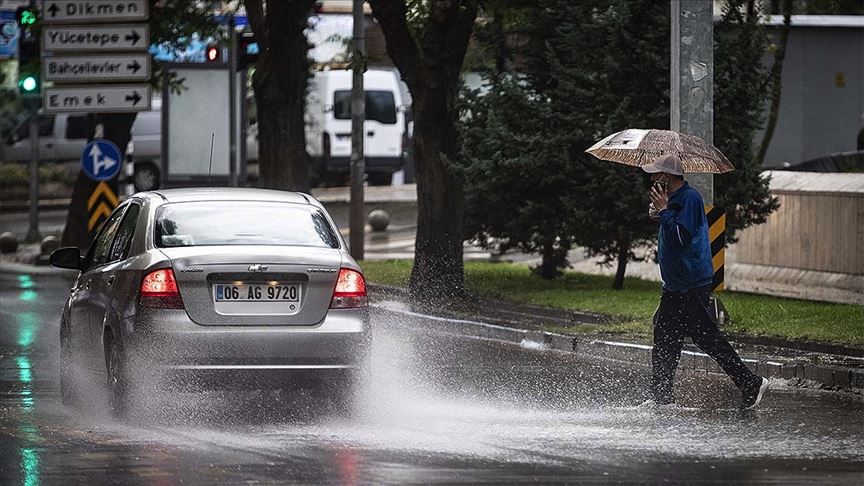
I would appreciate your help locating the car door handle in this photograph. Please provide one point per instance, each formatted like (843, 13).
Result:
(87, 285)
(110, 280)
(370, 133)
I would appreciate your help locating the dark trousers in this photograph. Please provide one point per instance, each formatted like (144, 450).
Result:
(689, 314)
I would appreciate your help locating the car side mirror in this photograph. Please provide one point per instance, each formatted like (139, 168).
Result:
(67, 257)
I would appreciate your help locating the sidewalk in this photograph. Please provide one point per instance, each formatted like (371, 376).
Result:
(838, 369)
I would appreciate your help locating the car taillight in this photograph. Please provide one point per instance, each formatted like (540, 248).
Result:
(350, 290)
(159, 290)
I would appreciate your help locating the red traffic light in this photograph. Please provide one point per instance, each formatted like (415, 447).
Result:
(213, 54)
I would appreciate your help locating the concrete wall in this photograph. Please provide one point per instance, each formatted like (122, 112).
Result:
(823, 94)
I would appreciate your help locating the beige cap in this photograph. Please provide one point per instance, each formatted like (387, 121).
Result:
(668, 163)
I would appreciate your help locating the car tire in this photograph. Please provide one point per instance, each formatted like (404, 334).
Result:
(118, 383)
(381, 178)
(68, 393)
(146, 177)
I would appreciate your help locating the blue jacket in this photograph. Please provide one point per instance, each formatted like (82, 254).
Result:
(684, 250)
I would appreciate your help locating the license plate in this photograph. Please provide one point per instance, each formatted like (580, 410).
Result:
(275, 292)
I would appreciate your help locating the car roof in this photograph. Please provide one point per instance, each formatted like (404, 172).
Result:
(231, 194)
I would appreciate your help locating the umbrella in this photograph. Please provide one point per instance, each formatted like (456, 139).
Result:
(640, 147)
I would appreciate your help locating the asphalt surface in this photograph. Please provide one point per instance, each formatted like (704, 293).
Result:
(435, 407)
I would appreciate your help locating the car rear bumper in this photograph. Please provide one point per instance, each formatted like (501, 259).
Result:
(169, 340)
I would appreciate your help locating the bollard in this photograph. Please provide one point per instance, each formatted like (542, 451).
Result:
(49, 244)
(379, 219)
(8, 242)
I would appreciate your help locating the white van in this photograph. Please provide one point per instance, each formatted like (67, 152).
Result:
(328, 124)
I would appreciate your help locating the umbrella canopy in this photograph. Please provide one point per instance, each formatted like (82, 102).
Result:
(640, 147)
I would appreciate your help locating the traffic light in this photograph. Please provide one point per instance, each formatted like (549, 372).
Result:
(247, 50)
(213, 54)
(29, 80)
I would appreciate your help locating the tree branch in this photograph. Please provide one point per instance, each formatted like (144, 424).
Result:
(401, 47)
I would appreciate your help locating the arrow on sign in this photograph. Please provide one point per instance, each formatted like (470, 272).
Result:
(134, 98)
(53, 9)
(135, 67)
(102, 211)
(134, 37)
(102, 189)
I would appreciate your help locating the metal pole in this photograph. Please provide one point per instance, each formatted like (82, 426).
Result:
(33, 231)
(232, 103)
(358, 117)
(242, 153)
(692, 78)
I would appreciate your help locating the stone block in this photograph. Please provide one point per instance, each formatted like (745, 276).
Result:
(561, 342)
(769, 370)
(810, 372)
(825, 375)
(790, 370)
(857, 378)
(842, 377)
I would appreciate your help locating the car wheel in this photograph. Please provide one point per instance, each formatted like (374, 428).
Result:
(146, 177)
(118, 385)
(68, 394)
(381, 178)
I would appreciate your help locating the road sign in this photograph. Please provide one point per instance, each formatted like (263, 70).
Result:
(109, 98)
(101, 160)
(101, 202)
(98, 11)
(96, 67)
(98, 38)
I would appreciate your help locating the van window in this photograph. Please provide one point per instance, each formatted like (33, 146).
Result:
(46, 128)
(76, 127)
(380, 106)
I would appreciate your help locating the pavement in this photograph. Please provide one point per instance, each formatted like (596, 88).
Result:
(437, 406)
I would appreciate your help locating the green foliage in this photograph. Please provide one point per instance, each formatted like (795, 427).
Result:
(632, 309)
(17, 174)
(740, 92)
(517, 173)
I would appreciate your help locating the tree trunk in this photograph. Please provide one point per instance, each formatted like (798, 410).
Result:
(438, 266)
(548, 265)
(431, 68)
(76, 233)
(279, 82)
(776, 83)
(623, 256)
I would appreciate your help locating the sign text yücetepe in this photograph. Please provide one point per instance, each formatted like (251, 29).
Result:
(84, 38)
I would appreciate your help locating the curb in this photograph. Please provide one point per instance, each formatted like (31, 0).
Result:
(796, 374)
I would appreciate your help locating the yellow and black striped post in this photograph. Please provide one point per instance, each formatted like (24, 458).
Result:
(717, 235)
(101, 202)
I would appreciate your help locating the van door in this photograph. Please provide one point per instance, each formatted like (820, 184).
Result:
(383, 137)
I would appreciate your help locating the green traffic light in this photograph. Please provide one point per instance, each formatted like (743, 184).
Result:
(28, 17)
(29, 83)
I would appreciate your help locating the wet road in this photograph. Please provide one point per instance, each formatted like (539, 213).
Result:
(436, 408)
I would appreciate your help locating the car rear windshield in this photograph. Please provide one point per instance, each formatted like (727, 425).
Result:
(243, 223)
(380, 106)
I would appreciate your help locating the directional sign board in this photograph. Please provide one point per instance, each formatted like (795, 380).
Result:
(99, 38)
(97, 99)
(96, 67)
(101, 160)
(94, 11)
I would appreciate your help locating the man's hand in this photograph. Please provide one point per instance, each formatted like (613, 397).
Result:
(659, 199)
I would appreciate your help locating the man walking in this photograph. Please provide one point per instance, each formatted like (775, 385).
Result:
(684, 253)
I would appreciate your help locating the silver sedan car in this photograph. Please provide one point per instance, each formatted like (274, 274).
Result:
(219, 287)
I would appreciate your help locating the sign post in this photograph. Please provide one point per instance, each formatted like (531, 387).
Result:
(90, 49)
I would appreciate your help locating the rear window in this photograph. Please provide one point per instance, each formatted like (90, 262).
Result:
(380, 106)
(243, 223)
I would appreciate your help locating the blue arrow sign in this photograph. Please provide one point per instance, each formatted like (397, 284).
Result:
(101, 160)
